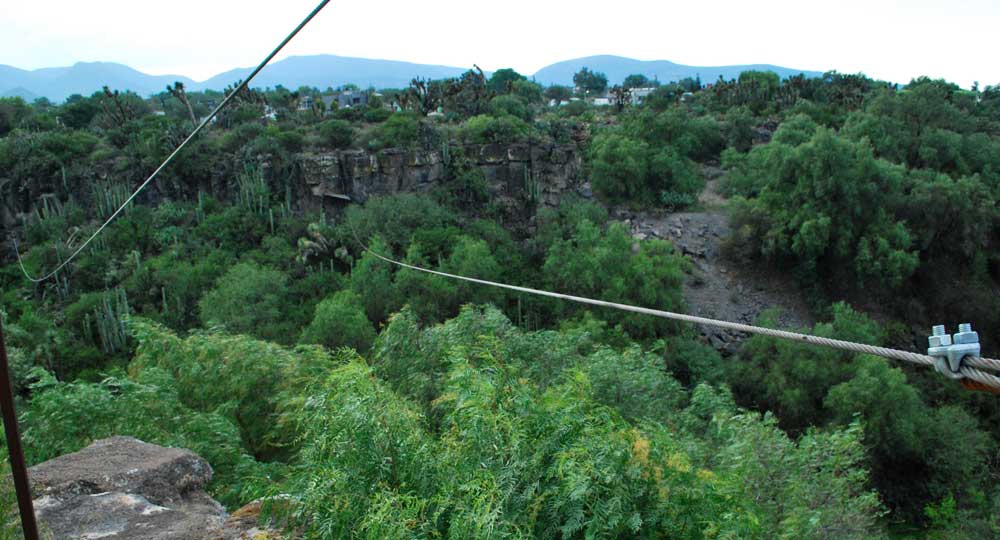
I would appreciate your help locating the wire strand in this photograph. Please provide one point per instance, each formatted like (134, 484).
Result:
(971, 369)
(176, 151)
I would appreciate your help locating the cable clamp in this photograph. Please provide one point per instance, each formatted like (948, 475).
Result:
(949, 350)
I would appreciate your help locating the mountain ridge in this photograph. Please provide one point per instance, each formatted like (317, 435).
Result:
(619, 67)
(323, 70)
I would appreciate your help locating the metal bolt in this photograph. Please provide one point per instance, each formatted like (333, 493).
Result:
(940, 341)
(965, 335)
(938, 330)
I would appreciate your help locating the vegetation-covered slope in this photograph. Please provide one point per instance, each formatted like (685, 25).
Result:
(217, 317)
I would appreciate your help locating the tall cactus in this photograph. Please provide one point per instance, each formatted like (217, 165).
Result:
(254, 194)
(110, 317)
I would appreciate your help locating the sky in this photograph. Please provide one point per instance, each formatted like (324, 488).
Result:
(894, 40)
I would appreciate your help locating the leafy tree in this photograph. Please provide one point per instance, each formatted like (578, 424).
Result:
(336, 133)
(529, 91)
(636, 81)
(769, 80)
(619, 166)
(558, 93)
(473, 257)
(502, 80)
(430, 297)
(643, 161)
(395, 219)
(586, 266)
(687, 84)
(590, 82)
(375, 115)
(739, 129)
(79, 111)
(400, 130)
(491, 129)
(824, 204)
(918, 455)
(371, 280)
(510, 105)
(13, 111)
(248, 299)
(340, 321)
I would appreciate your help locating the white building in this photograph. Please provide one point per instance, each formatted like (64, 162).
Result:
(640, 94)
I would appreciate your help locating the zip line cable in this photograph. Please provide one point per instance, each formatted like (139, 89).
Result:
(972, 368)
(176, 151)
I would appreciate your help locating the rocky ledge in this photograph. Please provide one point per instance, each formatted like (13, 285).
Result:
(122, 488)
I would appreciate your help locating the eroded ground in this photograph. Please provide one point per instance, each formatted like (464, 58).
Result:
(719, 287)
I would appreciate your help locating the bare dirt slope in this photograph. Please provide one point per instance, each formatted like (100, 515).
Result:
(719, 287)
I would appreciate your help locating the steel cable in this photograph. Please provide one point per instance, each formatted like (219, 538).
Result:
(972, 368)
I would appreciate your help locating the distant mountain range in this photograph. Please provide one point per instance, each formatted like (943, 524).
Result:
(325, 70)
(618, 67)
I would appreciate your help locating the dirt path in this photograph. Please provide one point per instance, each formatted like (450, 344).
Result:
(719, 287)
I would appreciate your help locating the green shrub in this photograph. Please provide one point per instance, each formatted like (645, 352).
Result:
(377, 115)
(336, 133)
(590, 264)
(401, 130)
(504, 129)
(249, 299)
(340, 321)
(510, 105)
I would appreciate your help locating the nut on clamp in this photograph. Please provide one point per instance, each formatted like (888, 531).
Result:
(948, 351)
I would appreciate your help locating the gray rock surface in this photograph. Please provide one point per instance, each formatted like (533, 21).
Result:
(518, 175)
(122, 488)
(719, 286)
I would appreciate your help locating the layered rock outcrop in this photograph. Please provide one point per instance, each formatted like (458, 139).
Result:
(124, 489)
(521, 173)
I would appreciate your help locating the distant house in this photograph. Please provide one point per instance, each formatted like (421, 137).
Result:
(328, 101)
(269, 113)
(640, 94)
(601, 101)
(352, 98)
(305, 103)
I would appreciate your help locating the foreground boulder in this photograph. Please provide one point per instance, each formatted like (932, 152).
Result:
(122, 488)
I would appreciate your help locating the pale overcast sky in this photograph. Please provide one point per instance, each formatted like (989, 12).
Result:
(889, 39)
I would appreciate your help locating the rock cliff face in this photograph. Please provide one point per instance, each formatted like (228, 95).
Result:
(520, 178)
(124, 489)
(515, 174)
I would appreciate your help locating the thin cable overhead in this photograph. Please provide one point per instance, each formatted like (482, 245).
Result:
(973, 368)
(176, 151)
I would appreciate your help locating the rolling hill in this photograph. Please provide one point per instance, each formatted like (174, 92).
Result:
(618, 67)
(82, 78)
(326, 70)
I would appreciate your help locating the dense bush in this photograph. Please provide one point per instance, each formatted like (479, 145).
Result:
(648, 160)
(336, 133)
(340, 321)
(497, 129)
(399, 130)
(827, 204)
(555, 463)
(249, 299)
(591, 264)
